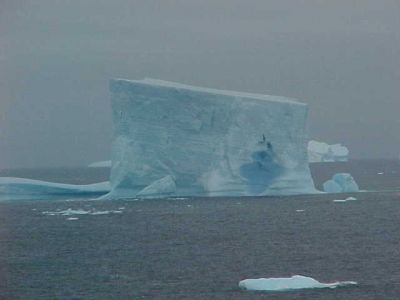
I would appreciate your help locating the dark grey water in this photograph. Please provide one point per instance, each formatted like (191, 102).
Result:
(201, 248)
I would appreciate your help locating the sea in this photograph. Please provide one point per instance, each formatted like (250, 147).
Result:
(200, 248)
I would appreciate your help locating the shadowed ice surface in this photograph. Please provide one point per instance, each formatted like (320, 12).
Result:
(263, 170)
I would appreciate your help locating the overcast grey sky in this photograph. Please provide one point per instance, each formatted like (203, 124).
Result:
(342, 57)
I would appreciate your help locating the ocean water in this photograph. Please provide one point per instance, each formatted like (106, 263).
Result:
(200, 248)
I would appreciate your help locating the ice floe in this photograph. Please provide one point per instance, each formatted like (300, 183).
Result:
(345, 200)
(71, 212)
(295, 282)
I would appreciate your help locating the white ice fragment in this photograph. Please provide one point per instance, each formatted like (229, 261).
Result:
(70, 212)
(341, 183)
(295, 282)
(345, 200)
(105, 212)
(300, 210)
(72, 219)
(380, 173)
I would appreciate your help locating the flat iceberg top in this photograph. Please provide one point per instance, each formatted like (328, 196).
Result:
(175, 85)
(13, 188)
(296, 282)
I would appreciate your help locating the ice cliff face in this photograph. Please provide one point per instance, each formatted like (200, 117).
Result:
(173, 139)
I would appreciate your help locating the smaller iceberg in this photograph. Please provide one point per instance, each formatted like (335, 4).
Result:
(13, 188)
(296, 282)
(101, 164)
(341, 183)
(323, 152)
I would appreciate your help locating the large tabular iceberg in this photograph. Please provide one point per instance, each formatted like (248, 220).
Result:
(174, 139)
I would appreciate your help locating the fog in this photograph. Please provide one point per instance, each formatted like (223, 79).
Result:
(56, 57)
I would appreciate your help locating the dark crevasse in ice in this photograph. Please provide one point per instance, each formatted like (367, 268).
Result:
(262, 171)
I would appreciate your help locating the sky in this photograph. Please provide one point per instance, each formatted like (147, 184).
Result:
(341, 57)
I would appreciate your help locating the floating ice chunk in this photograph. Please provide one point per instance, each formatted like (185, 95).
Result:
(300, 210)
(295, 282)
(345, 200)
(323, 152)
(67, 212)
(101, 164)
(22, 188)
(71, 212)
(212, 142)
(105, 212)
(341, 183)
(72, 219)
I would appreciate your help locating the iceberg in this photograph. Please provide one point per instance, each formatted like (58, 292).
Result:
(100, 164)
(323, 152)
(341, 183)
(180, 140)
(296, 282)
(12, 188)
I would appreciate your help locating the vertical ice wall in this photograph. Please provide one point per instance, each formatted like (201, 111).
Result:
(173, 139)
